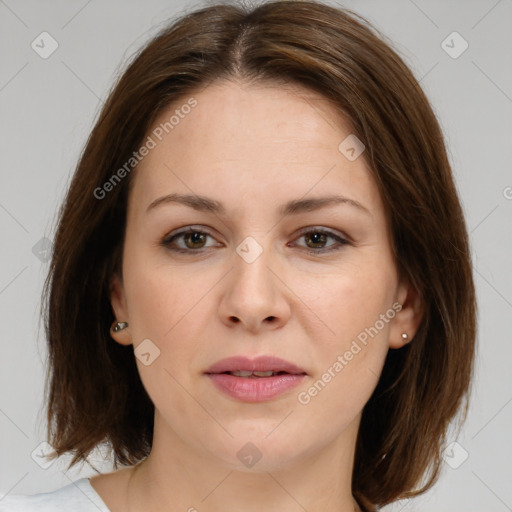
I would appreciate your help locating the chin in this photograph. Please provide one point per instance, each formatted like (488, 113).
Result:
(259, 451)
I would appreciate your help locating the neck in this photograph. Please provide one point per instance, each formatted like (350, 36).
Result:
(179, 477)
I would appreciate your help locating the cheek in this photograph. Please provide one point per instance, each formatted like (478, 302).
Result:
(163, 304)
(160, 296)
(347, 371)
(171, 307)
(346, 303)
(350, 349)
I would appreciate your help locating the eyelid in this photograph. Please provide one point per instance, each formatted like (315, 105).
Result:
(322, 229)
(183, 231)
(340, 238)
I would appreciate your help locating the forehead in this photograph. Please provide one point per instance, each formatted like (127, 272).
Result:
(266, 141)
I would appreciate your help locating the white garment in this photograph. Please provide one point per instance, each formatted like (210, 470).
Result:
(79, 496)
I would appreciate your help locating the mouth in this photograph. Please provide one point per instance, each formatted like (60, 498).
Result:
(261, 366)
(249, 374)
(255, 380)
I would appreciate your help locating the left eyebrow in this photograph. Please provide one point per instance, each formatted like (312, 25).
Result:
(294, 207)
(315, 203)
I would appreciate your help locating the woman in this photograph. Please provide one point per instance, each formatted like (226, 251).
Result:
(261, 294)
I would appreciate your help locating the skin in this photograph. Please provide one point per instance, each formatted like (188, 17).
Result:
(253, 148)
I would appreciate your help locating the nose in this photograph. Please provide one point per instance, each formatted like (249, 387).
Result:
(255, 295)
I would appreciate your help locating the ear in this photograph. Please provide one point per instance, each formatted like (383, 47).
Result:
(118, 302)
(408, 319)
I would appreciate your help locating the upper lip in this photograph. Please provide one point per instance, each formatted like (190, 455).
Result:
(257, 364)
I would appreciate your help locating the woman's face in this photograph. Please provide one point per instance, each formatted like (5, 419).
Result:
(314, 284)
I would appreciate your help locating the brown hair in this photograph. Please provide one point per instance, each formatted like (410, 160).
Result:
(95, 395)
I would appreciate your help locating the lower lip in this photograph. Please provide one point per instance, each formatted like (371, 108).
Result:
(255, 389)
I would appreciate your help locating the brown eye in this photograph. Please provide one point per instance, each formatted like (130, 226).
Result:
(187, 241)
(194, 240)
(316, 240)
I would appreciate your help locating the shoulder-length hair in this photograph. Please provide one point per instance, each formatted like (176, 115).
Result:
(94, 393)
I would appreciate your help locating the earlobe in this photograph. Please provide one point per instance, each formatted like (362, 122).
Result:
(119, 329)
(119, 332)
(407, 321)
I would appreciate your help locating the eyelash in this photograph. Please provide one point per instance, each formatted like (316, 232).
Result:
(169, 239)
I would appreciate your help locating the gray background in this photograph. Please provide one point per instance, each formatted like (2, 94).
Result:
(48, 107)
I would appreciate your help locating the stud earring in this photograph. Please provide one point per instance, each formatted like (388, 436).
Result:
(119, 326)
(404, 337)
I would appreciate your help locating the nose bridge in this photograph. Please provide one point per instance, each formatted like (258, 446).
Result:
(252, 276)
(254, 294)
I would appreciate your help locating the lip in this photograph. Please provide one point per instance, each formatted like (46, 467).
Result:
(257, 364)
(255, 389)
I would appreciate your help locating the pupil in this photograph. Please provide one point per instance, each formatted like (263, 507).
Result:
(315, 238)
(194, 237)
